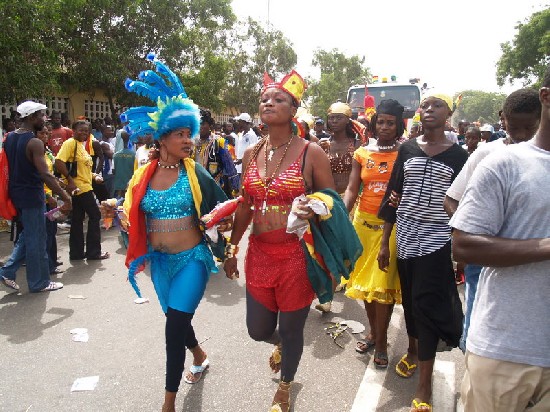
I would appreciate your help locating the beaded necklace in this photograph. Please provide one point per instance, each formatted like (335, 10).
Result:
(174, 166)
(269, 180)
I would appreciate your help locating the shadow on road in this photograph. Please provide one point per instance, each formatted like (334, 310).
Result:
(23, 317)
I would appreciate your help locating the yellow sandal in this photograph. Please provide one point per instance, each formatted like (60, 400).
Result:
(419, 406)
(278, 406)
(410, 368)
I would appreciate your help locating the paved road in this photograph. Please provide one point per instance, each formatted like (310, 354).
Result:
(126, 350)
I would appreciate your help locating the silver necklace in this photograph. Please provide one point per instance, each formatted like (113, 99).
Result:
(174, 166)
(387, 147)
(272, 150)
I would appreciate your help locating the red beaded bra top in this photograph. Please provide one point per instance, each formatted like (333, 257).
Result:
(276, 196)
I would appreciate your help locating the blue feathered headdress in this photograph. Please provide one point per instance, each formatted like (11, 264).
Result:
(173, 110)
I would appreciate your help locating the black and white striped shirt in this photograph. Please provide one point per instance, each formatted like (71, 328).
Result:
(422, 223)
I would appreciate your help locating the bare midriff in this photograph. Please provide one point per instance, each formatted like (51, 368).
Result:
(177, 234)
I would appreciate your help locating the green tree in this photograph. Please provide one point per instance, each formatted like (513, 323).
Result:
(29, 64)
(528, 55)
(255, 51)
(338, 73)
(477, 105)
(52, 45)
(110, 39)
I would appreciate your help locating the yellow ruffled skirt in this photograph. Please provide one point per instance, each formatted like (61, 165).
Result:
(367, 281)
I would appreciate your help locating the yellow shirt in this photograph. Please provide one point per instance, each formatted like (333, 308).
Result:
(49, 163)
(83, 179)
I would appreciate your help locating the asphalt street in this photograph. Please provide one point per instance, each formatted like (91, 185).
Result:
(40, 361)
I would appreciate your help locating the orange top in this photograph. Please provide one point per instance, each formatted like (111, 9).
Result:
(376, 168)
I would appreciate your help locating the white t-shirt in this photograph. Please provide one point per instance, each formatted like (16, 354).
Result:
(242, 142)
(142, 156)
(108, 163)
(459, 185)
(451, 136)
(508, 197)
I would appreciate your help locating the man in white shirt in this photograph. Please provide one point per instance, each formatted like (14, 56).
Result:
(522, 112)
(245, 139)
(502, 223)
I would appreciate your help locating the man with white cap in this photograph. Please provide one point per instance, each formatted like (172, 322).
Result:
(246, 138)
(28, 172)
(486, 132)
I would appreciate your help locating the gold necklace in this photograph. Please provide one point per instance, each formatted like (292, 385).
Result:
(269, 180)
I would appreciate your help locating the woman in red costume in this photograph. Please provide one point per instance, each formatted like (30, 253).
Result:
(278, 169)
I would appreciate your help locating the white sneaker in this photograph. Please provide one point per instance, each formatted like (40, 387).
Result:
(10, 283)
(52, 286)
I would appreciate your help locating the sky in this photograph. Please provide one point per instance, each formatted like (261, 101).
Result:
(453, 46)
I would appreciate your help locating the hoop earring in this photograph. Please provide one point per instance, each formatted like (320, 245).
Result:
(160, 154)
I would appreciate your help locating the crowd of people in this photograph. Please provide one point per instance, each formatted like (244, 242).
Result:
(388, 213)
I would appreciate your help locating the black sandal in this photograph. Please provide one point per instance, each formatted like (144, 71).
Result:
(364, 345)
(379, 359)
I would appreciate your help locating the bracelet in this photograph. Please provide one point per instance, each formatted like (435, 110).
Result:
(231, 250)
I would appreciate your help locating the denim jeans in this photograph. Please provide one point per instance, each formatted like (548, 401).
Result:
(30, 248)
(471, 274)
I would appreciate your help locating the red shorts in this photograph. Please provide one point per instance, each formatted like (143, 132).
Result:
(276, 271)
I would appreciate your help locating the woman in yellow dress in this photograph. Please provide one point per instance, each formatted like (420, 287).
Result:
(380, 290)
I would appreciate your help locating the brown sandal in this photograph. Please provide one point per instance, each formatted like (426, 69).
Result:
(278, 406)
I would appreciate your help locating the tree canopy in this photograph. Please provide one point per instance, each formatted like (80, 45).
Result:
(55, 45)
(528, 55)
(256, 51)
(477, 105)
(338, 73)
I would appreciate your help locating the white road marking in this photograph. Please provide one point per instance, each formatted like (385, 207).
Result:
(369, 391)
(397, 316)
(372, 384)
(444, 395)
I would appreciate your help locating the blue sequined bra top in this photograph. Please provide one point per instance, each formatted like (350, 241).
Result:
(170, 210)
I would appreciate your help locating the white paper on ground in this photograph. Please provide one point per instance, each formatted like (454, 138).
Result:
(80, 334)
(76, 297)
(139, 301)
(85, 384)
(354, 326)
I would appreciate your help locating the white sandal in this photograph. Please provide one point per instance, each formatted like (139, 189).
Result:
(197, 372)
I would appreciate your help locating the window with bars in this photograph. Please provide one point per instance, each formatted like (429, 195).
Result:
(59, 104)
(94, 109)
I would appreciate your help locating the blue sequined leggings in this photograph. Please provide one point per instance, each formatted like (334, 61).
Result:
(179, 279)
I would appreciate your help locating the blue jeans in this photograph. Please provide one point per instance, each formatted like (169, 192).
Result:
(471, 274)
(30, 248)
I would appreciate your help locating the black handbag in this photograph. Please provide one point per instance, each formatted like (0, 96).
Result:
(72, 166)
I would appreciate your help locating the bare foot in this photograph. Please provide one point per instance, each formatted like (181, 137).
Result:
(169, 402)
(168, 408)
(199, 356)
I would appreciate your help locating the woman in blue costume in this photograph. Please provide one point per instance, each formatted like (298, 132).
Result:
(164, 200)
